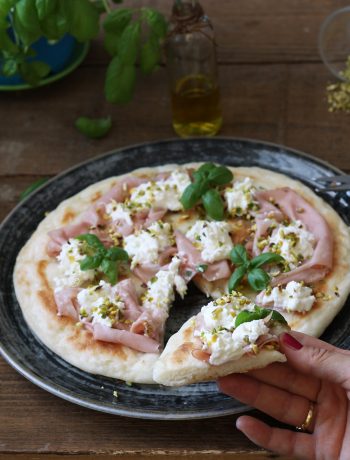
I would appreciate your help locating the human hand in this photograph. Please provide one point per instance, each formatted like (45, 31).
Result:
(311, 388)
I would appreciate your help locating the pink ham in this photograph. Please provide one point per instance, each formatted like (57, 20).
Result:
(297, 208)
(146, 271)
(66, 301)
(152, 323)
(129, 339)
(191, 258)
(126, 290)
(145, 217)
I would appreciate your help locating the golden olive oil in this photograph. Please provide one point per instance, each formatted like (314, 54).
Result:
(196, 106)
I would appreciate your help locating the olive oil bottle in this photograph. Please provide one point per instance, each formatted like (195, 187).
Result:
(192, 69)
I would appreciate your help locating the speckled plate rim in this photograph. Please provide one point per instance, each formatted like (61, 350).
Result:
(67, 395)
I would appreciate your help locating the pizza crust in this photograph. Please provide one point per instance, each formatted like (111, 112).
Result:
(34, 273)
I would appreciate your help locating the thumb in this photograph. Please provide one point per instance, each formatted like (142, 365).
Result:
(315, 357)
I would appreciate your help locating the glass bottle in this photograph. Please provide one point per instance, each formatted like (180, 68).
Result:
(190, 51)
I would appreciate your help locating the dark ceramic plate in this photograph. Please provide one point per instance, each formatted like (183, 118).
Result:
(37, 363)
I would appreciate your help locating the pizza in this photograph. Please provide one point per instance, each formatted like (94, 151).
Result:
(96, 280)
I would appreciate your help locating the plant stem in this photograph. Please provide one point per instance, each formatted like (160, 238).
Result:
(107, 6)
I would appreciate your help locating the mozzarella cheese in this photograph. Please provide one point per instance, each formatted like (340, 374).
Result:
(118, 211)
(293, 242)
(161, 194)
(240, 197)
(293, 297)
(212, 239)
(144, 246)
(101, 304)
(160, 289)
(68, 264)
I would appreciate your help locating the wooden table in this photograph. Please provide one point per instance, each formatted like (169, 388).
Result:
(273, 87)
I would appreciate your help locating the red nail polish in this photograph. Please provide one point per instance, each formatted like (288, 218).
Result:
(291, 342)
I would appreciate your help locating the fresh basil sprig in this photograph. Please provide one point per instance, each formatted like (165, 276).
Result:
(206, 179)
(246, 316)
(257, 277)
(98, 256)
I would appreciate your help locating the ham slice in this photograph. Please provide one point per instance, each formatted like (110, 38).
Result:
(135, 341)
(126, 290)
(297, 208)
(152, 323)
(191, 258)
(92, 216)
(66, 301)
(146, 271)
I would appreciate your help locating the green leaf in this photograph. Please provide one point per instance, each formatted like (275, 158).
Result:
(32, 187)
(236, 278)
(94, 128)
(45, 8)
(156, 22)
(92, 240)
(33, 72)
(9, 67)
(220, 175)
(258, 279)
(239, 255)
(117, 254)
(150, 55)
(111, 43)
(190, 196)
(201, 268)
(265, 258)
(26, 22)
(246, 316)
(129, 43)
(6, 44)
(117, 20)
(55, 25)
(213, 204)
(120, 81)
(83, 18)
(204, 170)
(91, 262)
(110, 269)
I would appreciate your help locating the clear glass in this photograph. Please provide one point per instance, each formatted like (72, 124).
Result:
(191, 63)
(334, 41)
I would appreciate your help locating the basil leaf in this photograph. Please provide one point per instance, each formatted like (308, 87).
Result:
(92, 240)
(129, 43)
(95, 128)
(120, 81)
(110, 269)
(205, 169)
(91, 262)
(9, 67)
(246, 316)
(33, 72)
(276, 316)
(239, 255)
(32, 187)
(117, 20)
(117, 254)
(265, 258)
(150, 55)
(190, 196)
(156, 21)
(236, 278)
(213, 204)
(83, 18)
(26, 22)
(55, 25)
(45, 8)
(220, 175)
(258, 279)
(110, 42)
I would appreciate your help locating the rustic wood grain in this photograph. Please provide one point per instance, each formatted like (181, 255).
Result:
(273, 88)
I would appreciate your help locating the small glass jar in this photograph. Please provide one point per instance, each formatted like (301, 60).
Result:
(190, 51)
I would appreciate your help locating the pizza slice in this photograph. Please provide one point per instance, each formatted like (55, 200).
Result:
(228, 335)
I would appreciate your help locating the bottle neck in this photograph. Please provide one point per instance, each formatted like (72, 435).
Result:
(186, 12)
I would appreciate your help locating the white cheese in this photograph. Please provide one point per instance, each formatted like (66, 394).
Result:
(118, 211)
(68, 264)
(212, 239)
(144, 246)
(293, 242)
(240, 197)
(160, 289)
(293, 297)
(164, 193)
(100, 304)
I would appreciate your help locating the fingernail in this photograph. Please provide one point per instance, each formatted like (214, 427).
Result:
(291, 342)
